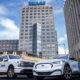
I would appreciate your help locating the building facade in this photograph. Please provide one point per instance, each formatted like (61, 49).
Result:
(38, 13)
(8, 45)
(72, 19)
(37, 39)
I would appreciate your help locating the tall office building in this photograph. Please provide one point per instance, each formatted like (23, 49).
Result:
(38, 12)
(72, 19)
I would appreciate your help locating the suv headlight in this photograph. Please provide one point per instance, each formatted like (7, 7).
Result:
(58, 62)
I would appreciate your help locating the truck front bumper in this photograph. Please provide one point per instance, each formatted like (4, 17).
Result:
(23, 70)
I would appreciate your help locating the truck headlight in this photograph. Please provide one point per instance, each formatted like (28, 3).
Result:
(19, 63)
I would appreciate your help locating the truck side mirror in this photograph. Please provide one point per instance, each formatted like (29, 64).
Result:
(5, 60)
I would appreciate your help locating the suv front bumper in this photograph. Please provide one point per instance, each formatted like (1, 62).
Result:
(47, 74)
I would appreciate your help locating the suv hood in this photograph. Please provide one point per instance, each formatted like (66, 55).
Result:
(52, 60)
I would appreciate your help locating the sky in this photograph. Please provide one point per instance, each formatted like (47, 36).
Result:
(10, 20)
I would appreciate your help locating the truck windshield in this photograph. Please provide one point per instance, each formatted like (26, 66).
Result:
(14, 57)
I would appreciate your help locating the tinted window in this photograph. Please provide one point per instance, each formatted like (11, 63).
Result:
(5, 57)
(14, 57)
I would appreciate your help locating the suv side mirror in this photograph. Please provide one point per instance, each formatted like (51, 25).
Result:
(72, 58)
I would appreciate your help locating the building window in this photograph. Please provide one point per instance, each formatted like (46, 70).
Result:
(26, 30)
(23, 14)
(42, 13)
(48, 36)
(26, 37)
(27, 17)
(26, 20)
(42, 10)
(22, 33)
(34, 10)
(21, 37)
(43, 40)
(30, 16)
(26, 26)
(23, 20)
(43, 29)
(26, 23)
(38, 13)
(22, 17)
(46, 13)
(23, 11)
(46, 10)
(48, 40)
(34, 13)
(43, 36)
(22, 30)
(26, 33)
(31, 11)
(42, 16)
(47, 29)
(43, 23)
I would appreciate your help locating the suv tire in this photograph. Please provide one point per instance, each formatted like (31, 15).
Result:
(67, 72)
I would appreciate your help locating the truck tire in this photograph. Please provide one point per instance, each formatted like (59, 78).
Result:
(10, 72)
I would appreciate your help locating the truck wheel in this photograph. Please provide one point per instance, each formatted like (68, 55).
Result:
(10, 72)
(38, 78)
(67, 72)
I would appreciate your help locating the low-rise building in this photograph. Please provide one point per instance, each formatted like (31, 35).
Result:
(8, 45)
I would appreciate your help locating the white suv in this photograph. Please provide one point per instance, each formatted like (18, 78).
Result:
(62, 65)
(14, 64)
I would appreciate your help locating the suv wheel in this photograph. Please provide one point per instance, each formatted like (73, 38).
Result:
(39, 78)
(67, 72)
(10, 72)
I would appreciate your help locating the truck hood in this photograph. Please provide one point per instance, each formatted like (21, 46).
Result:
(18, 60)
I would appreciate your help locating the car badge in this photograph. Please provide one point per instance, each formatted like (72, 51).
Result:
(42, 65)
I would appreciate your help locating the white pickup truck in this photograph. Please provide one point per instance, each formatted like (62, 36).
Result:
(14, 64)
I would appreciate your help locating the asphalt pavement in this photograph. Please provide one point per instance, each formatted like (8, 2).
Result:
(26, 78)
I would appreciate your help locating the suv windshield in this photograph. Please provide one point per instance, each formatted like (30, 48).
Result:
(61, 57)
(14, 57)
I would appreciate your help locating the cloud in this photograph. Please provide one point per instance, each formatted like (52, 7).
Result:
(11, 30)
(3, 10)
(58, 11)
(62, 39)
(8, 24)
(61, 50)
